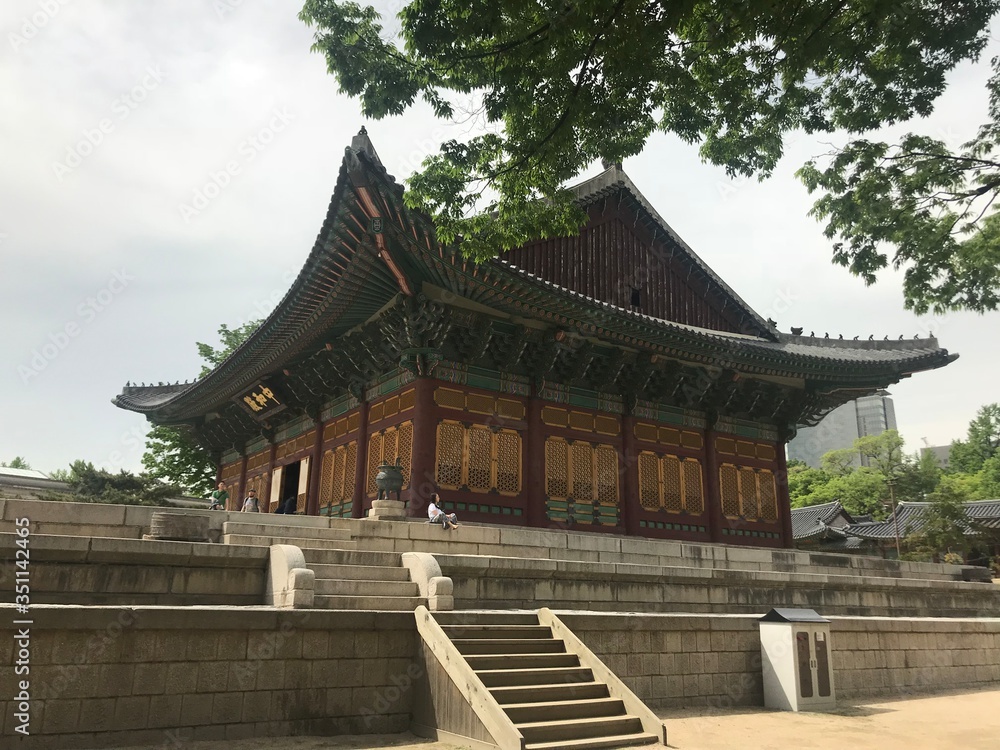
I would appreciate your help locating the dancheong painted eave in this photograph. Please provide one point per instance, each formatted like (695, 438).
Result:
(353, 272)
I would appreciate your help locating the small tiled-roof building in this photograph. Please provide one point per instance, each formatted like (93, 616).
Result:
(609, 381)
(818, 525)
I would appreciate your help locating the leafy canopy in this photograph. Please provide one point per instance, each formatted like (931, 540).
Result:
(934, 206)
(981, 444)
(558, 85)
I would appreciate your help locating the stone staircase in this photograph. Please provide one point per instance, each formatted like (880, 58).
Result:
(552, 700)
(266, 534)
(346, 577)
(352, 579)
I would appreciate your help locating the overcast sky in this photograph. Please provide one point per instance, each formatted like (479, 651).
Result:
(124, 239)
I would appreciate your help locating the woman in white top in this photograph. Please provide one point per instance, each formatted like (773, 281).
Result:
(436, 515)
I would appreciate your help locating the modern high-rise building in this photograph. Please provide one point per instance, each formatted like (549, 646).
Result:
(869, 415)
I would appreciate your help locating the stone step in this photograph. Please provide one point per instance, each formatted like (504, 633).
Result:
(541, 676)
(521, 713)
(492, 632)
(300, 542)
(580, 728)
(470, 646)
(360, 572)
(316, 556)
(374, 603)
(518, 660)
(561, 691)
(354, 587)
(276, 529)
(596, 743)
(485, 618)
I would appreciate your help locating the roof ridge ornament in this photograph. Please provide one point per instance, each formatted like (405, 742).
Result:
(362, 143)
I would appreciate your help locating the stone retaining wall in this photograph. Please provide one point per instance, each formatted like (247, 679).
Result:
(512, 583)
(693, 660)
(77, 570)
(103, 677)
(106, 676)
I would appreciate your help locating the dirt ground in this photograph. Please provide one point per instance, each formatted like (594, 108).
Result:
(947, 721)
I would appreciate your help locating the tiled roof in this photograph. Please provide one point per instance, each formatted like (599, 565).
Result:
(611, 181)
(813, 521)
(910, 518)
(343, 284)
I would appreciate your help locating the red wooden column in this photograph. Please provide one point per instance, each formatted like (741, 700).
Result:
(361, 467)
(630, 478)
(534, 464)
(784, 501)
(265, 501)
(243, 481)
(422, 482)
(712, 496)
(315, 470)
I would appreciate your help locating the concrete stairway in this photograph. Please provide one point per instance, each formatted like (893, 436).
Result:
(352, 579)
(553, 701)
(304, 537)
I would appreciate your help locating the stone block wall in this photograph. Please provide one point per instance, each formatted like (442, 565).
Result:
(78, 570)
(103, 677)
(882, 656)
(695, 660)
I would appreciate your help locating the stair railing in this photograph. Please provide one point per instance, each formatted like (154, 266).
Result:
(651, 723)
(477, 695)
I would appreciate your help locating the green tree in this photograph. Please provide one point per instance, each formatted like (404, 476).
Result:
(839, 462)
(803, 484)
(230, 340)
(560, 85)
(947, 528)
(918, 477)
(861, 492)
(982, 441)
(173, 454)
(989, 479)
(100, 486)
(16, 463)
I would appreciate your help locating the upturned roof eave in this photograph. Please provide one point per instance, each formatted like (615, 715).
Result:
(271, 344)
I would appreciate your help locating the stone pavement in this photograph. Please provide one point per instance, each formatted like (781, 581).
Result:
(969, 720)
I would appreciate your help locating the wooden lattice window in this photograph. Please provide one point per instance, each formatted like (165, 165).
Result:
(649, 481)
(508, 463)
(581, 471)
(384, 447)
(606, 461)
(729, 490)
(670, 483)
(557, 468)
(768, 496)
(748, 493)
(581, 458)
(450, 447)
(476, 458)
(673, 493)
(694, 496)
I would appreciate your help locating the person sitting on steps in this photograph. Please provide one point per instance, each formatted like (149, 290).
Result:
(219, 498)
(435, 515)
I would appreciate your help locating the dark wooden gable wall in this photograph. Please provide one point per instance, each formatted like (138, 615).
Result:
(617, 259)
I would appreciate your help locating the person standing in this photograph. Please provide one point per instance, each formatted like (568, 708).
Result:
(251, 505)
(219, 497)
